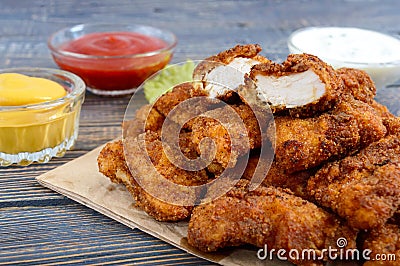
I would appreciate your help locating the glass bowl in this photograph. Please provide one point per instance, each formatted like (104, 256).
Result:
(108, 66)
(376, 53)
(38, 132)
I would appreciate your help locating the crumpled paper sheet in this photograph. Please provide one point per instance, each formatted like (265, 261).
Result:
(80, 180)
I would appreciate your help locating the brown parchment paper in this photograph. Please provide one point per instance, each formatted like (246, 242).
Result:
(81, 181)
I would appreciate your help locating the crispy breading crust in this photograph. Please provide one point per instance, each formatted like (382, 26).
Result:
(277, 177)
(247, 133)
(364, 188)
(382, 110)
(265, 216)
(156, 175)
(357, 83)
(146, 118)
(392, 125)
(111, 162)
(369, 122)
(177, 95)
(192, 101)
(304, 143)
(383, 241)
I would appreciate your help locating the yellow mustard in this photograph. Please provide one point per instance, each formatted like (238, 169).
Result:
(32, 129)
(17, 89)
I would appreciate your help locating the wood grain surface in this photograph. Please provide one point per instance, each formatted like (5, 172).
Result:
(41, 227)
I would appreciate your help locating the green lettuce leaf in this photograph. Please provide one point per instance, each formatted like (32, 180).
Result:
(166, 79)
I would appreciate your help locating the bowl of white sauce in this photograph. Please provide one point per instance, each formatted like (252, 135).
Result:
(376, 53)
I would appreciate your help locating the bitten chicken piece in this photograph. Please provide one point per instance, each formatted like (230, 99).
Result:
(265, 216)
(364, 189)
(384, 244)
(303, 84)
(223, 73)
(304, 143)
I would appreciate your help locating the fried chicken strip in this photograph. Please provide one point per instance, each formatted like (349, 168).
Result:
(148, 165)
(364, 188)
(392, 125)
(184, 102)
(265, 216)
(384, 244)
(358, 84)
(223, 73)
(234, 130)
(277, 177)
(303, 84)
(304, 143)
(112, 164)
(146, 118)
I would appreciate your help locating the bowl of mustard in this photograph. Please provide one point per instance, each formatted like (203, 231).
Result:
(39, 114)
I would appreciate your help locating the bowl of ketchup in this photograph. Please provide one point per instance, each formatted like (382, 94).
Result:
(112, 59)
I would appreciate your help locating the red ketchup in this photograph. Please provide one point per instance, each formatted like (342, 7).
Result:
(118, 65)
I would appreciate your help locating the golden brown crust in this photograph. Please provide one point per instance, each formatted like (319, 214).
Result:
(333, 85)
(265, 216)
(112, 159)
(369, 122)
(220, 126)
(247, 51)
(277, 176)
(357, 83)
(189, 101)
(177, 95)
(364, 188)
(146, 118)
(384, 243)
(304, 143)
(392, 125)
(112, 164)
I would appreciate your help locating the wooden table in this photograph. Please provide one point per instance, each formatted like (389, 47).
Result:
(39, 226)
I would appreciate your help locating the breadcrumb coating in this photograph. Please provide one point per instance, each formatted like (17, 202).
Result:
(385, 242)
(304, 143)
(265, 216)
(364, 188)
(357, 83)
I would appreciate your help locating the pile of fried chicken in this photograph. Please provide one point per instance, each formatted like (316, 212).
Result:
(334, 172)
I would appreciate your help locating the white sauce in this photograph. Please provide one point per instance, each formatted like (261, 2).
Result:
(348, 44)
(376, 53)
(228, 77)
